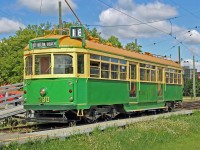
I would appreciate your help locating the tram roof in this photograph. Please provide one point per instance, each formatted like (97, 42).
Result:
(66, 40)
(130, 54)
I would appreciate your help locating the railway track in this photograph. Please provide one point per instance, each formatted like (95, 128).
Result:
(193, 105)
(81, 129)
(33, 128)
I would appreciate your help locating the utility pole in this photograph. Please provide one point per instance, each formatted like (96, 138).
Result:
(60, 17)
(194, 76)
(179, 55)
(136, 42)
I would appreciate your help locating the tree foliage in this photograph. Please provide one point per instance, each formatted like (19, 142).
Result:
(134, 47)
(114, 41)
(11, 52)
(188, 87)
(96, 34)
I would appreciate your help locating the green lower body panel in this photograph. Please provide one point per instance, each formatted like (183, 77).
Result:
(173, 92)
(50, 107)
(143, 106)
(83, 93)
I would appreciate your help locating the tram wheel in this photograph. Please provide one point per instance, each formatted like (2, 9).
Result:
(72, 123)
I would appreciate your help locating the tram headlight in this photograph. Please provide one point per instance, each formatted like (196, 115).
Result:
(71, 99)
(43, 92)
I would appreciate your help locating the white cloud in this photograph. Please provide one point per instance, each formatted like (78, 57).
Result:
(155, 11)
(47, 7)
(194, 50)
(192, 37)
(142, 13)
(150, 12)
(9, 26)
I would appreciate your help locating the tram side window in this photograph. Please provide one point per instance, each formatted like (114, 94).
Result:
(159, 75)
(63, 64)
(167, 77)
(105, 70)
(42, 64)
(114, 71)
(148, 75)
(153, 75)
(123, 72)
(94, 69)
(28, 66)
(93, 56)
(147, 72)
(132, 89)
(173, 76)
(80, 62)
(142, 74)
(132, 71)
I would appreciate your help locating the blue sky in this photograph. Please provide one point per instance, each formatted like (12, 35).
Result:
(160, 26)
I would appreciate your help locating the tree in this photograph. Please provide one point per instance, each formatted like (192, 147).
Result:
(187, 89)
(95, 34)
(198, 87)
(114, 41)
(133, 46)
(11, 52)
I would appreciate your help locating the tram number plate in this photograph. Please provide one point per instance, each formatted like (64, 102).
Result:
(44, 99)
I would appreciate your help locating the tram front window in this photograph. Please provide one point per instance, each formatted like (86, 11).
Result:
(63, 64)
(42, 64)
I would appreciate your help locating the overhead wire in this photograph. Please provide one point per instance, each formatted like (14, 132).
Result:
(125, 25)
(132, 17)
(190, 29)
(177, 43)
(149, 22)
(170, 34)
(186, 9)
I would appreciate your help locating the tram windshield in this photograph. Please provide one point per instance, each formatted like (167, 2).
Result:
(43, 64)
(63, 64)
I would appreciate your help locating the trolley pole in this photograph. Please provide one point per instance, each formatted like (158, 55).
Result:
(60, 17)
(194, 84)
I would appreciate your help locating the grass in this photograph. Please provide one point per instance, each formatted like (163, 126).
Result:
(176, 132)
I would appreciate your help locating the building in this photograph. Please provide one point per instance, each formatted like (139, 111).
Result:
(188, 72)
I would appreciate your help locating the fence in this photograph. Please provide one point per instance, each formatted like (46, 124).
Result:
(11, 94)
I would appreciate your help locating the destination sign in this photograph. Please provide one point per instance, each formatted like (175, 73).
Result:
(76, 32)
(43, 44)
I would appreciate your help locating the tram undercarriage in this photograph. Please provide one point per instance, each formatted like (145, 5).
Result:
(94, 114)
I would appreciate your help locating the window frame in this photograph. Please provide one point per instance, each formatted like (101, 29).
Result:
(174, 76)
(147, 70)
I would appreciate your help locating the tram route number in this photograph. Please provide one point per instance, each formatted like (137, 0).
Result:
(44, 99)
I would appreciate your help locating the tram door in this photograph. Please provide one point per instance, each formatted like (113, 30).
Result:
(132, 83)
(81, 83)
